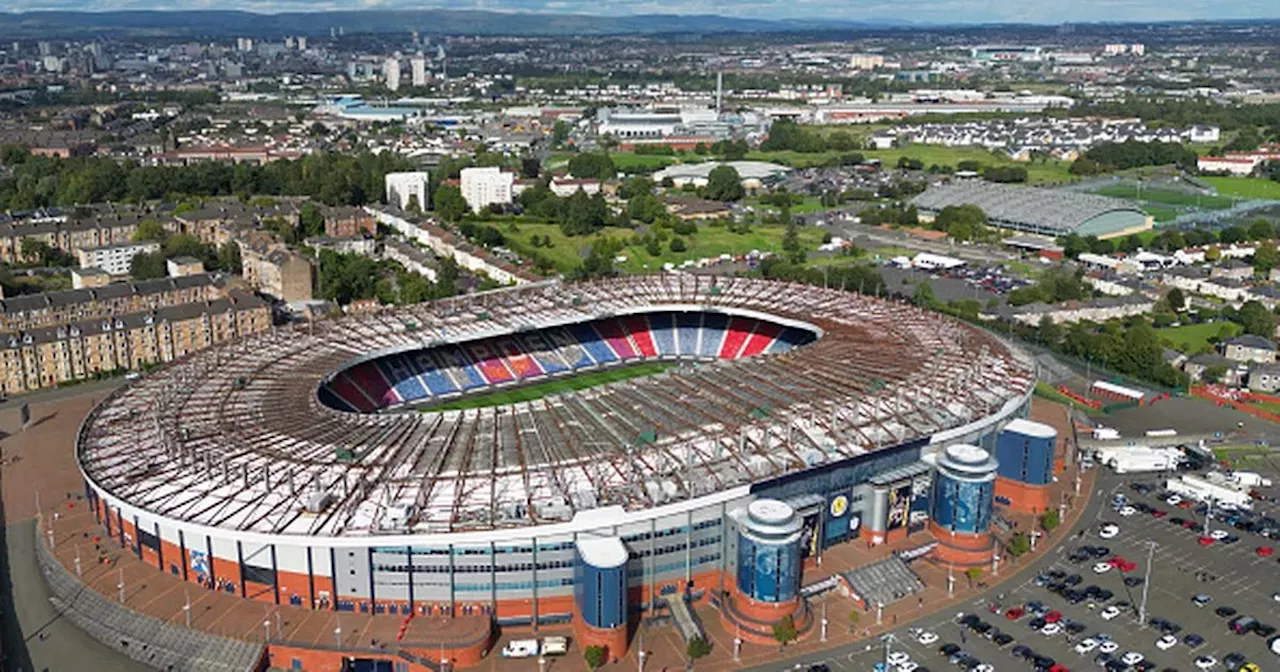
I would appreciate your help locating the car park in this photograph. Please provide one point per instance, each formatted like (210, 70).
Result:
(1225, 611)
(1132, 658)
(1166, 642)
(1109, 531)
(1206, 662)
(1109, 613)
(1193, 640)
(927, 638)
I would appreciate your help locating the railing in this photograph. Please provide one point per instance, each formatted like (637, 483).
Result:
(142, 638)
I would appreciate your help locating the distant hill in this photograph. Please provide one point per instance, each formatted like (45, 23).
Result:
(200, 23)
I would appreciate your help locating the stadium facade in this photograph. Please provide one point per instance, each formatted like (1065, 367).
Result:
(306, 467)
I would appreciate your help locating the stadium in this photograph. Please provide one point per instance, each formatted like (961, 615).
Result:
(322, 467)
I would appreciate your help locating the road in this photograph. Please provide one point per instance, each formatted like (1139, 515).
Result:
(1234, 576)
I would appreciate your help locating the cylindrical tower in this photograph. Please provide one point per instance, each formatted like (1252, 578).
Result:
(960, 504)
(1026, 451)
(769, 552)
(767, 572)
(600, 594)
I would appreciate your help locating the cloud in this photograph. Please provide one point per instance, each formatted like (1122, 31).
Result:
(919, 11)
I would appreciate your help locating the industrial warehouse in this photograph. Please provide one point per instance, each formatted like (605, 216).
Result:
(1048, 212)
(310, 467)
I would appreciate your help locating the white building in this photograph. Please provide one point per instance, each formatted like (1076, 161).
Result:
(866, 61)
(1115, 49)
(565, 187)
(391, 73)
(403, 188)
(1235, 165)
(486, 186)
(418, 70)
(114, 259)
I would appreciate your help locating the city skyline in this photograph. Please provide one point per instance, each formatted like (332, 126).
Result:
(908, 11)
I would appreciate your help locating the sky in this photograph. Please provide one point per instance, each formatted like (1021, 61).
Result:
(916, 11)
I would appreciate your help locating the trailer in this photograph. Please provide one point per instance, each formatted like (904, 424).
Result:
(1202, 489)
(1137, 459)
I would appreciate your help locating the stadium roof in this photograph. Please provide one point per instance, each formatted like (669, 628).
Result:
(1045, 211)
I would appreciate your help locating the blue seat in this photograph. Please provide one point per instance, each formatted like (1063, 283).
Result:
(404, 380)
(713, 330)
(593, 342)
(662, 328)
(430, 374)
(687, 325)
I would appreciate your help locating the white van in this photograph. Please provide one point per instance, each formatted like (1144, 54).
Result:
(555, 646)
(520, 648)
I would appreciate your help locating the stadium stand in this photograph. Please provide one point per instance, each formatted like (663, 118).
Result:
(412, 377)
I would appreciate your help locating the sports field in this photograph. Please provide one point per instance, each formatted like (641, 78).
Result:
(1166, 197)
(929, 155)
(1245, 187)
(540, 390)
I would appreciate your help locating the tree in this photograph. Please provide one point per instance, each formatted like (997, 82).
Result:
(150, 229)
(1019, 544)
(311, 220)
(923, 296)
(450, 204)
(724, 184)
(1050, 520)
(677, 244)
(530, 167)
(1048, 332)
(973, 574)
(785, 630)
(559, 132)
(592, 165)
(1177, 302)
(1261, 229)
(697, 648)
(596, 656)
(148, 266)
(962, 222)
(1257, 320)
(229, 258)
(1265, 257)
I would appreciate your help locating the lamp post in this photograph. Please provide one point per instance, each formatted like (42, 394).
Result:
(737, 644)
(1146, 583)
(266, 629)
(120, 585)
(337, 636)
(186, 606)
(879, 613)
(77, 560)
(951, 581)
(823, 637)
(640, 654)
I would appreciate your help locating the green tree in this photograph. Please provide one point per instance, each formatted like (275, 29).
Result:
(559, 132)
(1019, 544)
(310, 221)
(724, 184)
(1261, 229)
(697, 648)
(677, 244)
(1257, 320)
(785, 630)
(147, 266)
(229, 258)
(973, 574)
(1050, 520)
(592, 165)
(596, 656)
(150, 229)
(449, 203)
(1048, 332)
(1176, 300)
(923, 296)
(1265, 257)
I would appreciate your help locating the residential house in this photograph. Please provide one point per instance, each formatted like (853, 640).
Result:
(1250, 348)
(1232, 268)
(1264, 378)
(1197, 366)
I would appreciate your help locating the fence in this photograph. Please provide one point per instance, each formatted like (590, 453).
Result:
(142, 638)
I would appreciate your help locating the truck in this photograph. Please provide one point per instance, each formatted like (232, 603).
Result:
(1250, 479)
(1201, 489)
(1134, 459)
(520, 648)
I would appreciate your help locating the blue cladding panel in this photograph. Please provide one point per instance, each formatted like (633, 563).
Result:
(601, 594)
(1023, 458)
(767, 572)
(962, 506)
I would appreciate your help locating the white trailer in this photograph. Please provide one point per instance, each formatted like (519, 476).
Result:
(1250, 479)
(1202, 489)
(1135, 459)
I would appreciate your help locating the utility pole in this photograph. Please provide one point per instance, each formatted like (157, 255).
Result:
(1146, 583)
(824, 621)
(1207, 515)
(120, 585)
(888, 641)
(186, 606)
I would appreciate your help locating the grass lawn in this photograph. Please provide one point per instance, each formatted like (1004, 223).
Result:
(629, 161)
(1167, 197)
(709, 241)
(1161, 213)
(565, 252)
(550, 387)
(1266, 406)
(1245, 187)
(1192, 337)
